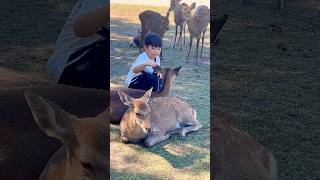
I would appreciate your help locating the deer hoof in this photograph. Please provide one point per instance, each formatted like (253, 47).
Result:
(182, 136)
(124, 139)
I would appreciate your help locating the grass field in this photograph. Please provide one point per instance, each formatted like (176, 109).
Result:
(266, 78)
(171, 159)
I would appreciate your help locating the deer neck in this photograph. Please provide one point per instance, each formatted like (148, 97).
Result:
(166, 90)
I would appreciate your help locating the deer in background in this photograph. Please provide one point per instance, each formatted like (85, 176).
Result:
(153, 120)
(117, 108)
(197, 26)
(154, 22)
(181, 13)
(280, 4)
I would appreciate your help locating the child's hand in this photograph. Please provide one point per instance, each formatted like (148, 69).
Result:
(151, 63)
(159, 75)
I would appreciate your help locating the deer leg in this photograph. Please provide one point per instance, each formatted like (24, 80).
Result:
(124, 139)
(179, 36)
(197, 47)
(161, 57)
(192, 128)
(175, 36)
(144, 31)
(189, 48)
(204, 32)
(184, 35)
(155, 139)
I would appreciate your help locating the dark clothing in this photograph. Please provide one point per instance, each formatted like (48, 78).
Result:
(145, 81)
(92, 70)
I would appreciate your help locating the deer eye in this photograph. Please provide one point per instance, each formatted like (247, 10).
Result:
(138, 114)
(87, 166)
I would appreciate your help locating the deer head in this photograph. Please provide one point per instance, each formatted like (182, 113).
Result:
(173, 4)
(139, 110)
(186, 10)
(165, 24)
(84, 151)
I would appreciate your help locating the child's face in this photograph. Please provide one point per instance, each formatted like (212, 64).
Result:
(152, 51)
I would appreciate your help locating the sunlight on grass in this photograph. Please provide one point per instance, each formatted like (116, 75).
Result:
(173, 158)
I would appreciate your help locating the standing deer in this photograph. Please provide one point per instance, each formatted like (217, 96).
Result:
(79, 147)
(197, 26)
(182, 12)
(280, 4)
(154, 22)
(153, 120)
(118, 108)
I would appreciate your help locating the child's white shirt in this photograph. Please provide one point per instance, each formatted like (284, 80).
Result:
(141, 59)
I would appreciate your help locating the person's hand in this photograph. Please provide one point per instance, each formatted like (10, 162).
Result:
(151, 63)
(159, 75)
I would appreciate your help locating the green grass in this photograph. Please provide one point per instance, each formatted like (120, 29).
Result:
(173, 158)
(272, 93)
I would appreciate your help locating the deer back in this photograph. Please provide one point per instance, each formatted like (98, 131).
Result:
(170, 113)
(154, 22)
(199, 20)
(236, 155)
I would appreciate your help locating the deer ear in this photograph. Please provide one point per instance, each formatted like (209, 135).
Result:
(177, 69)
(147, 95)
(125, 98)
(193, 5)
(51, 119)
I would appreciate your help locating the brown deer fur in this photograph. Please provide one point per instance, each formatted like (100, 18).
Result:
(152, 120)
(182, 12)
(154, 22)
(197, 26)
(118, 108)
(24, 148)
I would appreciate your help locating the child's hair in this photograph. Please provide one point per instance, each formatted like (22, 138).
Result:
(152, 39)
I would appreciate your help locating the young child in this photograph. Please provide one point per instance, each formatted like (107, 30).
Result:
(141, 74)
(82, 52)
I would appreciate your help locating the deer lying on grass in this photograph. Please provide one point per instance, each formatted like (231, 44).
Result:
(154, 22)
(118, 108)
(26, 152)
(181, 13)
(25, 149)
(280, 4)
(153, 120)
(236, 155)
(197, 26)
